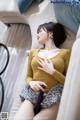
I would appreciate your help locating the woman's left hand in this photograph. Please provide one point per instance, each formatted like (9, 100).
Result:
(46, 65)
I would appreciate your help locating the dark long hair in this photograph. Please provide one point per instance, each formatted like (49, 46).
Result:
(59, 33)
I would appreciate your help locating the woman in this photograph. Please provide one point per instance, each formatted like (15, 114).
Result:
(46, 67)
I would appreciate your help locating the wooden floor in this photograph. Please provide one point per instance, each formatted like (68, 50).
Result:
(18, 40)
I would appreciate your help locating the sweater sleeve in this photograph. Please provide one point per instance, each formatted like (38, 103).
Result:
(29, 75)
(66, 60)
(59, 76)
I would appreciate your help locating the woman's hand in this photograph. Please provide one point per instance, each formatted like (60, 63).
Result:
(46, 65)
(37, 85)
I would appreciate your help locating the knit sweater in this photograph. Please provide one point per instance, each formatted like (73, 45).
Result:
(60, 62)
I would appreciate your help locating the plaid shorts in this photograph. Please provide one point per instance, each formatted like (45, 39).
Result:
(49, 99)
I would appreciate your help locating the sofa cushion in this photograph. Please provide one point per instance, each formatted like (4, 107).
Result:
(67, 14)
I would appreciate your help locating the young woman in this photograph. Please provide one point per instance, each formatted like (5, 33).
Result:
(46, 67)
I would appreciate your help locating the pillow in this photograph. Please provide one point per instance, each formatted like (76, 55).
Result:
(66, 14)
(72, 2)
(24, 5)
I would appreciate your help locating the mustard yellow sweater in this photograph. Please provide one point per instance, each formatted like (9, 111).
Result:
(60, 63)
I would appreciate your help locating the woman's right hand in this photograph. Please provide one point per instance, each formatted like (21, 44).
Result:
(37, 85)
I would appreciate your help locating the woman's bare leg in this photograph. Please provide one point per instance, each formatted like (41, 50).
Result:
(26, 111)
(48, 114)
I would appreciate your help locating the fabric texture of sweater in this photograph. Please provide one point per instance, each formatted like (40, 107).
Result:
(60, 62)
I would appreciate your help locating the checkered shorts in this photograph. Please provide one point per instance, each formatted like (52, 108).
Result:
(49, 99)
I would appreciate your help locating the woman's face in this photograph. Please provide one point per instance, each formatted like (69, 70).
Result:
(42, 36)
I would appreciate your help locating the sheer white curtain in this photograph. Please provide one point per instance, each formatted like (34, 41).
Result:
(18, 40)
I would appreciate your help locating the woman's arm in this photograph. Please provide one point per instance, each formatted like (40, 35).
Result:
(66, 60)
(35, 85)
(47, 66)
(29, 75)
(59, 76)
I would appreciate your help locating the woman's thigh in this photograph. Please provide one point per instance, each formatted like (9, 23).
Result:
(48, 113)
(25, 112)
